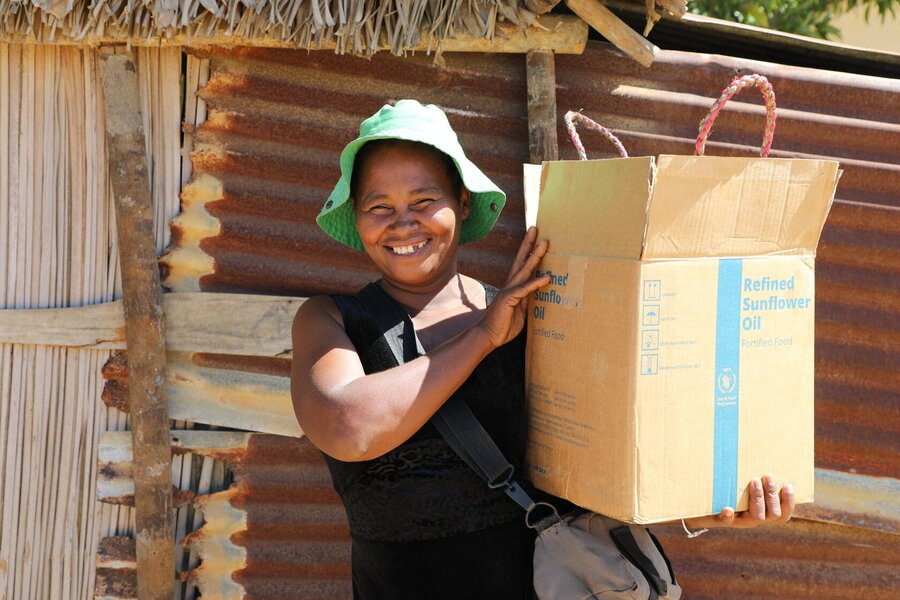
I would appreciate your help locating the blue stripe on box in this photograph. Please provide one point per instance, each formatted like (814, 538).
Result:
(728, 358)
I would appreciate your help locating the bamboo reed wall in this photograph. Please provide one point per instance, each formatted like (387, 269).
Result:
(58, 248)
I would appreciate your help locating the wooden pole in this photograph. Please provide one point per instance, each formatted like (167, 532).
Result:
(541, 76)
(615, 30)
(144, 326)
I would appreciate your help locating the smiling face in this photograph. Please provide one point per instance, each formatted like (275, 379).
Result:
(409, 212)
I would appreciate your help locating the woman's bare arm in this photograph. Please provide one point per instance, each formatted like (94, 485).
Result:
(353, 416)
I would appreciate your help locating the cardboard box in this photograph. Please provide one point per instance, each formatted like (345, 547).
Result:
(670, 359)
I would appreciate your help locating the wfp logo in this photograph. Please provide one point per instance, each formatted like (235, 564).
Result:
(726, 381)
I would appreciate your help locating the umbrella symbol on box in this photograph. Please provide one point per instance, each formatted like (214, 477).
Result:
(651, 315)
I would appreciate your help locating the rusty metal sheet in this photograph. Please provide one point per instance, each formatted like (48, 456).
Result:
(841, 498)
(265, 161)
(856, 500)
(251, 393)
(115, 483)
(278, 531)
(116, 577)
(802, 559)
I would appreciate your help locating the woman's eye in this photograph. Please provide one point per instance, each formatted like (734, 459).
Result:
(380, 209)
(423, 203)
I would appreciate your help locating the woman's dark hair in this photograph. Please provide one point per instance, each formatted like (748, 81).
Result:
(369, 147)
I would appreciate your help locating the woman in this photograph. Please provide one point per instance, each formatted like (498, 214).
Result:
(422, 523)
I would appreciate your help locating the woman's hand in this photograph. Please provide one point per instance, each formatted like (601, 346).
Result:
(767, 505)
(504, 318)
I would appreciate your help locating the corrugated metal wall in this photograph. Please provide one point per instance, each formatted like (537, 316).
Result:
(265, 160)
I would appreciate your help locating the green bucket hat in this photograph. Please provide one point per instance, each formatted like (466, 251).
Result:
(412, 121)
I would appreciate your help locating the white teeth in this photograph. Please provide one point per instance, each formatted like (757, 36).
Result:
(408, 249)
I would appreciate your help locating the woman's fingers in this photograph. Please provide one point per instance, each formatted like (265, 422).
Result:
(756, 505)
(726, 517)
(530, 254)
(766, 503)
(517, 295)
(506, 315)
(504, 318)
(524, 250)
(537, 253)
(788, 502)
(532, 285)
(772, 499)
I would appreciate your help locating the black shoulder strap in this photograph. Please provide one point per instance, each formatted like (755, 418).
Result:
(624, 540)
(392, 322)
(460, 427)
(379, 329)
(464, 433)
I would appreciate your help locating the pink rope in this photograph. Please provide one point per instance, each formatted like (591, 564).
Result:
(736, 85)
(570, 118)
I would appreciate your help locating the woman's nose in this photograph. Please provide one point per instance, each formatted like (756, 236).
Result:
(404, 219)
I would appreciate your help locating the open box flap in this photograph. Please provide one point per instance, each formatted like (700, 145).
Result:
(595, 207)
(725, 206)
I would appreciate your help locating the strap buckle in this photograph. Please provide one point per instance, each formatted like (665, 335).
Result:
(504, 479)
(519, 495)
(541, 516)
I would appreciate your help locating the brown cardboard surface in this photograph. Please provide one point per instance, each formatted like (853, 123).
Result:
(629, 382)
(710, 206)
(568, 415)
(601, 205)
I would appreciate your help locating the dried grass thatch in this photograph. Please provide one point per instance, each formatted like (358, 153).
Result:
(350, 26)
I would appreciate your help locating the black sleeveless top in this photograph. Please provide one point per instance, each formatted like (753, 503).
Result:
(423, 524)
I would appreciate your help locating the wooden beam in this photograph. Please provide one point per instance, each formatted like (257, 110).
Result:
(615, 30)
(97, 326)
(144, 325)
(564, 34)
(541, 77)
(247, 324)
(540, 7)
(231, 323)
(676, 8)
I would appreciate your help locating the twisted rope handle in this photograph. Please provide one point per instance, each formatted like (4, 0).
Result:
(570, 119)
(737, 84)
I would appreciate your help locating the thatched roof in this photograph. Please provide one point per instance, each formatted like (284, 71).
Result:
(352, 26)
